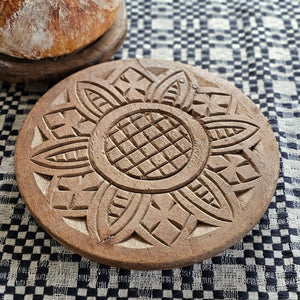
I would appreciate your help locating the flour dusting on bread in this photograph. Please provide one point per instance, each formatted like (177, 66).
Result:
(45, 28)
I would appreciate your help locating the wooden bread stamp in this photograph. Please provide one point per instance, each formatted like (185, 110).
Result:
(146, 164)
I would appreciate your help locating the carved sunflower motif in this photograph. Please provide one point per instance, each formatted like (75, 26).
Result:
(148, 157)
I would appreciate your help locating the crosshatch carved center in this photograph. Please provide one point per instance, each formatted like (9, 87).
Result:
(149, 145)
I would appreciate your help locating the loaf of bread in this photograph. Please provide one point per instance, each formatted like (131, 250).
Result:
(36, 29)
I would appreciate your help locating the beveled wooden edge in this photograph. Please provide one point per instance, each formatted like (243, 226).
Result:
(14, 69)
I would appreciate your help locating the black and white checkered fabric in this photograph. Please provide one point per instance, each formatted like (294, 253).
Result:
(255, 44)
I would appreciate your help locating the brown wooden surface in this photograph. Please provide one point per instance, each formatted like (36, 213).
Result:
(146, 164)
(52, 69)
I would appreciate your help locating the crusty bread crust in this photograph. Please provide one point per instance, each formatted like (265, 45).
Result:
(36, 29)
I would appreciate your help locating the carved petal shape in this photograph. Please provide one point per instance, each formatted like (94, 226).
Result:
(99, 98)
(174, 89)
(208, 199)
(226, 131)
(118, 213)
(70, 153)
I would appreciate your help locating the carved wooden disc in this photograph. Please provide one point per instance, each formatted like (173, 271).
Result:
(25, 70)
(146, 164)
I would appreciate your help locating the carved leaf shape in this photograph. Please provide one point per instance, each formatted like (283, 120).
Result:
(226, 131)
(173, 88)
(70, 153)
(99, 98)
(208, 199)
(118, 213)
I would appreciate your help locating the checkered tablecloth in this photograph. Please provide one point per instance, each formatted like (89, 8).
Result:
(254, 44)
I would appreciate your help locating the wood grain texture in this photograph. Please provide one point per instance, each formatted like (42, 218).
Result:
(14, 69)
(146, 164)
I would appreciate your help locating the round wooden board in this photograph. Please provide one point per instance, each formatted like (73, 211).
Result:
(146, 164)
(53, 69)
